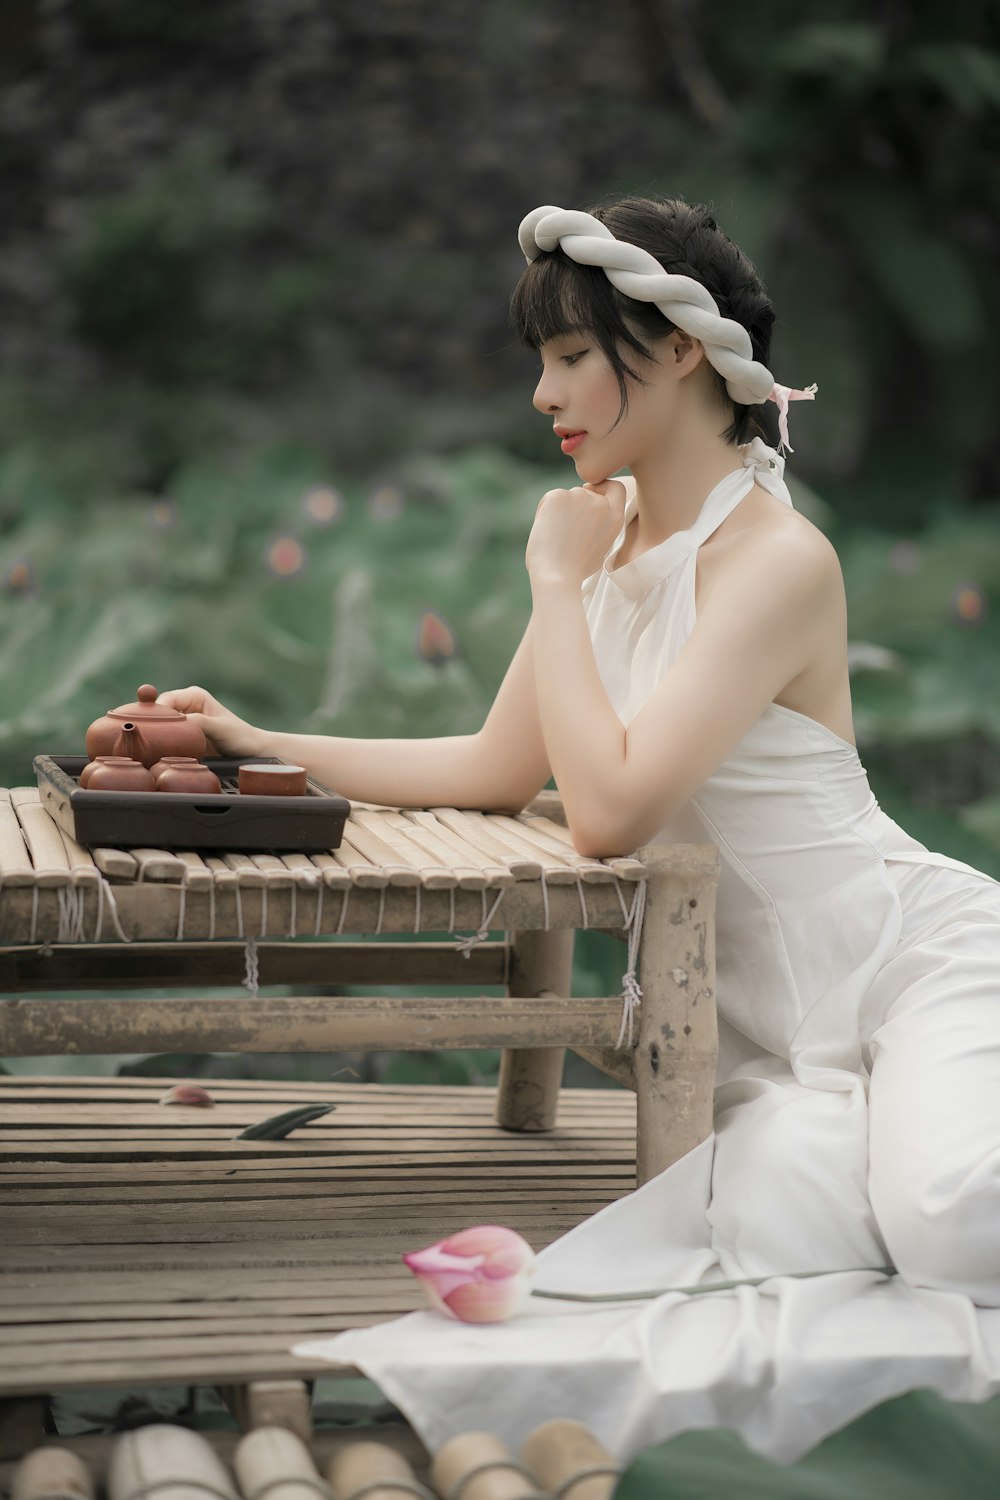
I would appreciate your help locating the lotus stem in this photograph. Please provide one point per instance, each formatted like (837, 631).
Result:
(712, 1286)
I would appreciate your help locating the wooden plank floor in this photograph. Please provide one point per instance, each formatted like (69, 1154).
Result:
(144, 1245)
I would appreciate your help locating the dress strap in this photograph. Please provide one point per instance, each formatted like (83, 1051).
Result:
(760, 464)
(768, 467)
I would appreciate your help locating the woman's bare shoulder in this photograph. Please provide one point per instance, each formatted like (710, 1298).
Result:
(761, 517)
(780, 537)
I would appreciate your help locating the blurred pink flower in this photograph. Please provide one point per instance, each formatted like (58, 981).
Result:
(435, 639)
(188, 1093)
(285, 556)
(480, 1275)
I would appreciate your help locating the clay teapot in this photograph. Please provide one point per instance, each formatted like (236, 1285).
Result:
(163, 730)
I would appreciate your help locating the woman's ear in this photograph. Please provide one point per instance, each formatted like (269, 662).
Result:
(688, 352)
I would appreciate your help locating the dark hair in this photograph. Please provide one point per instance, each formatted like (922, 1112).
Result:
(556, 295)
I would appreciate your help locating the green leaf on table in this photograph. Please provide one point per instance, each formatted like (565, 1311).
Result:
(276, 1127)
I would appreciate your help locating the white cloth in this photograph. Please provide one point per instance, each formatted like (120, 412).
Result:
(857, 1114)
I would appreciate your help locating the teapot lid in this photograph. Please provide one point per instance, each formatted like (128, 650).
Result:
(147, 707)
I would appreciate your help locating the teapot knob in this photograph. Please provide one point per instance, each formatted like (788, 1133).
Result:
(147, 693)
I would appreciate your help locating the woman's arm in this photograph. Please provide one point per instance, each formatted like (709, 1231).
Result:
(453, 771)
(499, 769)
(758, 630)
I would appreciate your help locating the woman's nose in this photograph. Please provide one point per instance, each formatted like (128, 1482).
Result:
(544, 399)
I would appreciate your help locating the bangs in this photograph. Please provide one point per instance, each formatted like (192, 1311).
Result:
(556, 296)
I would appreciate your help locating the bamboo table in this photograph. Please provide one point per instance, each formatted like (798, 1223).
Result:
(106, 919)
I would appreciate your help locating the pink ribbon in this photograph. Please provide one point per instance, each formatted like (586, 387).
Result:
(781, 395)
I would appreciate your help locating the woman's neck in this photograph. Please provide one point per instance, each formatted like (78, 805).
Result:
(674, 479)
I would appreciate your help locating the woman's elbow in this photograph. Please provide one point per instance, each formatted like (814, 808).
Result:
(606, 837)
(598, 840)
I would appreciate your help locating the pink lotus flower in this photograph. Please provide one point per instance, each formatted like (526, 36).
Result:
(480, 1275)
(188, 1093)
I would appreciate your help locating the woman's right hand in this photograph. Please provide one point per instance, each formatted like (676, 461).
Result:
(226, 733)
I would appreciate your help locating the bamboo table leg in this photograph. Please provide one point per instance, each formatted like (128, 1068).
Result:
(675, 1059)
(528, 1089)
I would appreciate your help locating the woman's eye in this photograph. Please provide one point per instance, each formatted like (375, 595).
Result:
(571, 359)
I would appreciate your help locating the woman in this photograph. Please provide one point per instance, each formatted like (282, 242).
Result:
(684, 678)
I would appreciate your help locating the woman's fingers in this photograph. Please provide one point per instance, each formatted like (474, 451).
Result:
(189, 700)
(226, 733)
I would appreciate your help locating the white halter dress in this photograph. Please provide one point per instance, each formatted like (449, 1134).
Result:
(857, 1119)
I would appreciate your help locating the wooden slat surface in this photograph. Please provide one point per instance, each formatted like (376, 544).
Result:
(143, 1244)
(480, 849)
(400, 869)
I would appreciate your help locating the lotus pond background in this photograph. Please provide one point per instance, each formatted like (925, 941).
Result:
(264, 426)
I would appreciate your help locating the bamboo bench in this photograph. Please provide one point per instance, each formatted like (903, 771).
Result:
(146, 1245)
(75, 918)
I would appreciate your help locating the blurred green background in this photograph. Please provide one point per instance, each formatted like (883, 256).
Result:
(264, 425)
(263, 421)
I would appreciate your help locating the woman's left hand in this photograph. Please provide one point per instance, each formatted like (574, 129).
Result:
(573, 532)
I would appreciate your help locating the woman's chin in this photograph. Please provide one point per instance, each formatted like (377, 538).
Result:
(589, 473)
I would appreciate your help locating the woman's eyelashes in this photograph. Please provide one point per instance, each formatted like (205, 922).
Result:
(571, 359)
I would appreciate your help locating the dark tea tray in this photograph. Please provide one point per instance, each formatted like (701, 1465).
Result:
(186, 820)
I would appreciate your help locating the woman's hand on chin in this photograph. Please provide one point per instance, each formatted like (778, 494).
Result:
(227, 734)
(574, 530)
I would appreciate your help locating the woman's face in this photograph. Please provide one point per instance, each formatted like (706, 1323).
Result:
(579, 391)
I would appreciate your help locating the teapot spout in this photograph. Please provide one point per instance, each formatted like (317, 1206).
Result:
(133, 743)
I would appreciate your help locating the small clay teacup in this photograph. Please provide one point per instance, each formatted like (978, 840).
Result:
(117, 774)
(83, 780)
(173, 760)
(259, 780)
(193, 777)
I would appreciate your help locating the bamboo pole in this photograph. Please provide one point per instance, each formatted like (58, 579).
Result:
(159, 865)
(537, 831)
(276, 873)
(277, 1462)
(530, 1077)
(570, 1460)
(675, 1058)
(474, 827)
(470, 877)
(44, 841)
(525, 1025)
(360, 868)
(197, 877)
(496, 874)
(556, 869)
(161, 1462)
(248, 874)
(80, 860)
(479, 1466)
(371, 1469)
(334, 876)
(433, 872)
(49, 1472)
(383, 855)
(115, 864)
(16, 867)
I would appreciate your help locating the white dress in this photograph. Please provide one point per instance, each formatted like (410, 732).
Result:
(857, 1119)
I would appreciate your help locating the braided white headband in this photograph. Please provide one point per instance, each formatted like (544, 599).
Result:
(681, 299)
